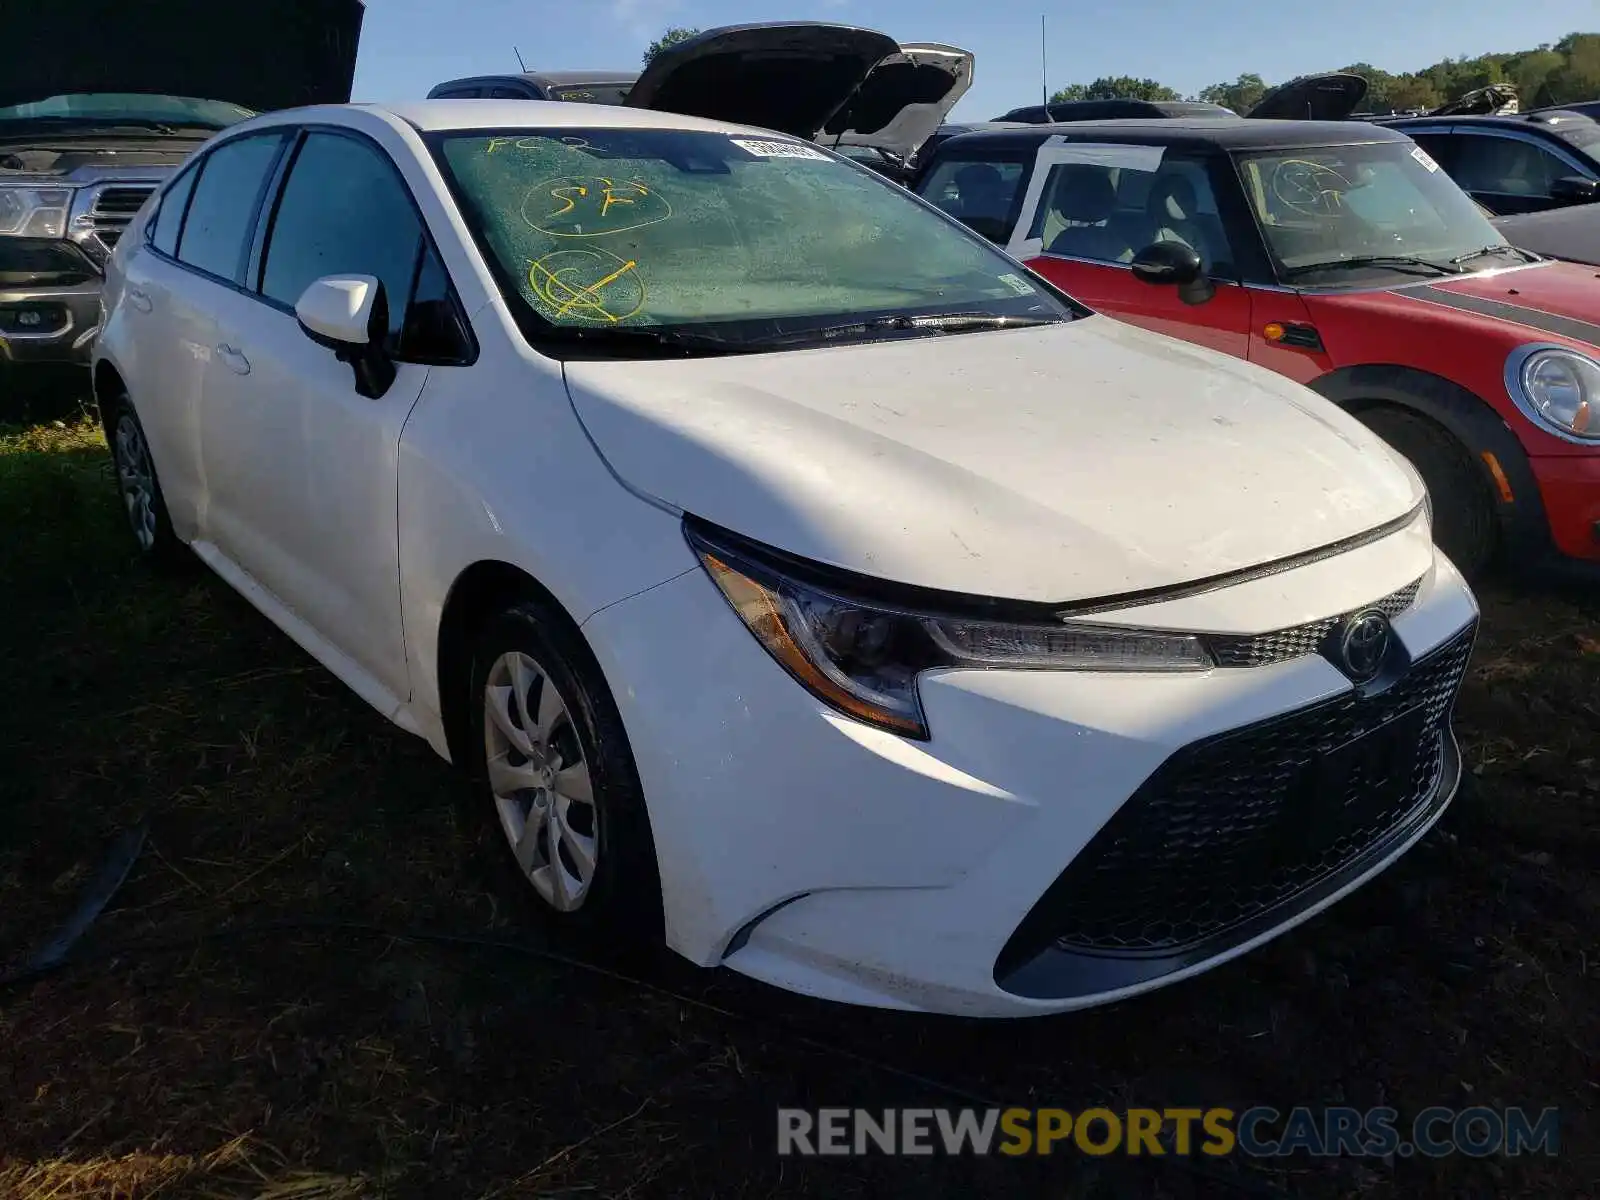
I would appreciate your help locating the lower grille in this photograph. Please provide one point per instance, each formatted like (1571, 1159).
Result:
(1231, 828)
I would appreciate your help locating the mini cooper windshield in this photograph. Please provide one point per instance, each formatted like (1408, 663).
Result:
(1336, 215)
(714, 243)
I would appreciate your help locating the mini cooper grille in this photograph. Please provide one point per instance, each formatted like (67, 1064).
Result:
(1263, 649)
(113, 209)
(1230, 828)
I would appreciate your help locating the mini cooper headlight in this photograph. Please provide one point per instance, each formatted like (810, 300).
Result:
(863, 657)
(1558, 389)
(34, 212)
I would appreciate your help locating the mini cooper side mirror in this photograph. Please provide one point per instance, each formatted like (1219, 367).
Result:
(1575, 189)
(349, 314)
(1174, 264)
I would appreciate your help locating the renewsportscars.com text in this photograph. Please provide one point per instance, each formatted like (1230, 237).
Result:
(1261, 1131)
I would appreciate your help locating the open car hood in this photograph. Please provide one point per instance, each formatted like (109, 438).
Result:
(905, 98)
(790, 76)
(260, 56)
(1330, 97)
(1498, 99)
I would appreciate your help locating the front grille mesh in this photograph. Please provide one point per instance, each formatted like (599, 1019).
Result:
(1263, 649)
(113, 209)
(1233, 827)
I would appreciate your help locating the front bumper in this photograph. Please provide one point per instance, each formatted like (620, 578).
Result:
(50, 324)
(1569, 486)
(818, 854)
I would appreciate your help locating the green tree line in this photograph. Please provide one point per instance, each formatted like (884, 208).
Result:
(1560, 73)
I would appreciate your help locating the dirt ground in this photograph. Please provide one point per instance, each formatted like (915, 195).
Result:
(290, 998)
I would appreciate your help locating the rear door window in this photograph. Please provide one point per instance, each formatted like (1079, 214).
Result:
(222, 212)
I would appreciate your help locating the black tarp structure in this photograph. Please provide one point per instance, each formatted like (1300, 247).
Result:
(266, 54)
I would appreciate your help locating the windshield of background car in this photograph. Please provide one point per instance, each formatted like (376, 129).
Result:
(1318, 206)
(746, 236)
(110, 107)
(589, 93)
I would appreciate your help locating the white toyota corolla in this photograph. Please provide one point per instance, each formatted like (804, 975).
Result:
(798, 575)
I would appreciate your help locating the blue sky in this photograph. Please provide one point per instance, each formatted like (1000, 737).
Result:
(409, 45)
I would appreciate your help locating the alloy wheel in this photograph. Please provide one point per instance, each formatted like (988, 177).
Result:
(137, 478)
(540, 781)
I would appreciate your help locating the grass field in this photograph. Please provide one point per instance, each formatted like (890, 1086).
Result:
(234, 1035)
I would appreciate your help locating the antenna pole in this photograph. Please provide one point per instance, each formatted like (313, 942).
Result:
(1044, 65)
(520, 63)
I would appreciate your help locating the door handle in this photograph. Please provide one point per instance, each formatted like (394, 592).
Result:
(237, 362)
(140, 300)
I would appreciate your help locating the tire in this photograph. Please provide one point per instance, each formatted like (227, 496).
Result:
(143, 502)
(1464, 522)
(524, 652)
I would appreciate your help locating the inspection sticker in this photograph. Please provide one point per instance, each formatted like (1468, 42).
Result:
(1017, 284)
(778, 149)
(1423, 157)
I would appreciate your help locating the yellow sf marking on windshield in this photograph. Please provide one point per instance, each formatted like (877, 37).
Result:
(562, 194)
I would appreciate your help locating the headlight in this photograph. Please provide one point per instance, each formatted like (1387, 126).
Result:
(34, 212)
(1558, 389)
(863, 657)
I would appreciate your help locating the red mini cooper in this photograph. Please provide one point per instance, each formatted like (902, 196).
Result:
(1339, 254)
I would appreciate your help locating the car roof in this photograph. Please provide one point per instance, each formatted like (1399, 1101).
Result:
(1205, 134)
(544, 78)
(430, 116)
(1550, 119)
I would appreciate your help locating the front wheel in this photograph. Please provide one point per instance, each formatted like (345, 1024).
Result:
(556, 779)
(1464, 523)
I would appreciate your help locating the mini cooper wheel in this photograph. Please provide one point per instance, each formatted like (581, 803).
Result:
(556, 779)
(139, 488)
(1464, 523)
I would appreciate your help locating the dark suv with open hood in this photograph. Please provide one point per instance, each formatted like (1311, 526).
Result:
(90, 128)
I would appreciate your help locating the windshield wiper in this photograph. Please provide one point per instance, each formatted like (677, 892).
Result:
(955, 322)
(637, 339)
(1503, 248)
(1397, 261)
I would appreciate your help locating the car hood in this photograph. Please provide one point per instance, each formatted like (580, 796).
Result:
(1329, 97)
(791, 76)
(905, 98)
(260, 56)
(1558, 300)
(1571, 233)
(1051, 464)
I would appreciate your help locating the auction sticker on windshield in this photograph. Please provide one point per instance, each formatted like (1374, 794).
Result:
(1423, 157)
(778, 149)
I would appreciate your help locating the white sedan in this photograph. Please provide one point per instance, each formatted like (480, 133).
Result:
(800, 577)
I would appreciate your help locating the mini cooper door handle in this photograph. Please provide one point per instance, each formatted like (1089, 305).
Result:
(237, 362)
(140, 300)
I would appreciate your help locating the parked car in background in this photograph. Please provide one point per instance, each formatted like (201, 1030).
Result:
(1115, 109)
(1341, 255)
(1571, 233)
(92, 123)
(1515, 164)
(571, 87)
(792, 571)
(900, 97)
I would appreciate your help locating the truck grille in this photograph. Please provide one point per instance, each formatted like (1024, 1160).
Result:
(113, 208)
(1235, 826)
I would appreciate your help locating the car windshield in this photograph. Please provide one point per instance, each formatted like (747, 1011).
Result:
(1341, 214)
(746, 239)
(108, 108)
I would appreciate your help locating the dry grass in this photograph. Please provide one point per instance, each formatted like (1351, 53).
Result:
(321, 1064)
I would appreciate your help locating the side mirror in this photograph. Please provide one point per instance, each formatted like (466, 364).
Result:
(1177, 265)
(1575, 189)
(349, 314)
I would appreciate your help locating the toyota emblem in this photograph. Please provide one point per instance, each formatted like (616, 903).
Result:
(1364, 645)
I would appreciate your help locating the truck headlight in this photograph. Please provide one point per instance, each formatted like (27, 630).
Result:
(1558, 389)
(34, 212)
